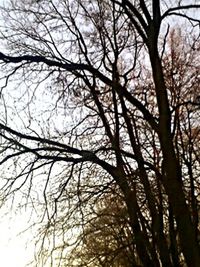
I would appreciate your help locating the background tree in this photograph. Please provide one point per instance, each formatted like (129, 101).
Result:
(107, 238)
(104, 93)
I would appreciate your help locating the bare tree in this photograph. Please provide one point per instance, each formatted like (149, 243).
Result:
(106, 94)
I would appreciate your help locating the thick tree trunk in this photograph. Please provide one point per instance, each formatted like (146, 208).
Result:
(158, 237)
(172, 179)
(173, 239)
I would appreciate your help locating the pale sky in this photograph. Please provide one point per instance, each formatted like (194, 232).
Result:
(14, 250)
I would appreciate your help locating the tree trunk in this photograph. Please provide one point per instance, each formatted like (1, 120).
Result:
(172, 179)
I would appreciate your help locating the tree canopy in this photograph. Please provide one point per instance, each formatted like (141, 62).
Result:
(100, 130)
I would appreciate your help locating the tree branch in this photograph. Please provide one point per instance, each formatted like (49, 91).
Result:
(170, 10)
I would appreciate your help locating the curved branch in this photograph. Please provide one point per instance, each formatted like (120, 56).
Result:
(171, 10)
(85, 155)
(73, 67)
